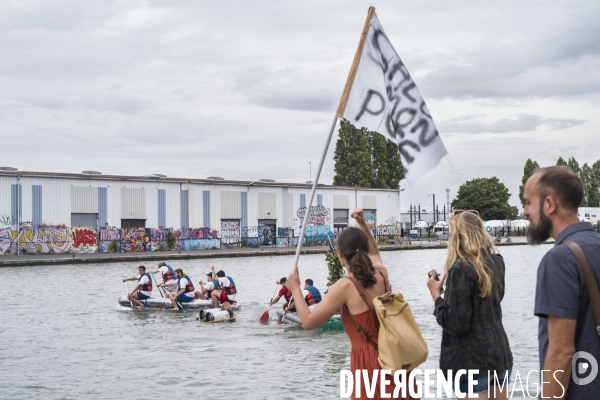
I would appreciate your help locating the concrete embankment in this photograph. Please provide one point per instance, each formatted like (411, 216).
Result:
(57, 259)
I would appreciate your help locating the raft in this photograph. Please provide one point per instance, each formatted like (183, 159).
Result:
(163, 303)
(334, 323)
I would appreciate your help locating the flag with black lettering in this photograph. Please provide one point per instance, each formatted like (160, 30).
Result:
(380, 95)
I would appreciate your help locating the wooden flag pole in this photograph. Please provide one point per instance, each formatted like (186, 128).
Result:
(339, 114)
(312, 193)
(354, 68)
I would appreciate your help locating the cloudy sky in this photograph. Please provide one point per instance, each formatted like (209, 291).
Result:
(248, 90)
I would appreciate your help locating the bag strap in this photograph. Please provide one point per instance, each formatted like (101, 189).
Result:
(359, 329)
(369, 302)
(590, 280)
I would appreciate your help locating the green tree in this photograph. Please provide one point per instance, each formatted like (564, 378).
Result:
(574, 166)
(561, 161)
(489, 196)
(591, 196)
(366, 159)
(594, 196)
(353, 166)
(530, 167)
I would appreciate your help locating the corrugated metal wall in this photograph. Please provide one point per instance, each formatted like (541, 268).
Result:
(230, 205)
(185, 213)
(206, 208)
(341, 201)
(162, 207)
(36, 205)
(266, 206)
(244, 209)
(102, 207)
(84, 199)
(16, 205)
(133, 203)
(319, 199)
(369, 202)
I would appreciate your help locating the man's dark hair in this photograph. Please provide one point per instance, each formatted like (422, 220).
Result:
(282, 280)
(221, 274)
(142, 267)
(562, 183)
(179, 270)
(309, 282)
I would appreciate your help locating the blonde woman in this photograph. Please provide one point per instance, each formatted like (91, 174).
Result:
(470, 313)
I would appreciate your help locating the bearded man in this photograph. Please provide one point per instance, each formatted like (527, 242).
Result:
(569, 344)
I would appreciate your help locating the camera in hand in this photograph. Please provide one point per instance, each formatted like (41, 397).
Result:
(437, 278)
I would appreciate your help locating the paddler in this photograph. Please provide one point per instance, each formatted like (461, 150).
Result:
(207, 289)
(284, 291)
(228, 290)
(185, 289)
(143, 290)
(311, 294)
(168, 275)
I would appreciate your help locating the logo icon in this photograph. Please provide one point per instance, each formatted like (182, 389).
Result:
(582, 363)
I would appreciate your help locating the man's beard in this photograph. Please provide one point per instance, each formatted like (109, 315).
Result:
(539, 233)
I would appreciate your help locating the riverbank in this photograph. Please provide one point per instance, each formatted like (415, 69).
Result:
(59, 259)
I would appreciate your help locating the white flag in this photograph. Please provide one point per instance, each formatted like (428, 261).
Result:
(381, 96)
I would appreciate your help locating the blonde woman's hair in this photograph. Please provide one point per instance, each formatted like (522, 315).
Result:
(470, 242)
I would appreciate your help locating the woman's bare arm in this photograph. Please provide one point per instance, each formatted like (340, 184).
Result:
(373, 249)
(331, 304)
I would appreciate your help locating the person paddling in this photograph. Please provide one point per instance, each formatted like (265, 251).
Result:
(168, 275)
(185, 289)
(207, 289)
(284, 291)
(228, 290)
(143, 290)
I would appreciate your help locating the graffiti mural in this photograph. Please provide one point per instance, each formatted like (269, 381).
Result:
(267, 234)
(201, 244)
(85, 240)
(230, 232)
(287, 242)
(108, 234)
(133, 240)
(249, 231)
(337, 229)
(371, 220)
(318, 234)
(42, 240)
(252, 242)
(319, 215)
(202, 233)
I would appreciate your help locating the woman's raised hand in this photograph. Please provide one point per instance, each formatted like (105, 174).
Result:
(293, 280)
(358, 215)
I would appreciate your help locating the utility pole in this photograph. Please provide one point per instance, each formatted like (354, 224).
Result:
(419, 211)
(448, 199)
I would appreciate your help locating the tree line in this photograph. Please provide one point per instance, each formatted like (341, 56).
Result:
(368, 159)
(589, 175)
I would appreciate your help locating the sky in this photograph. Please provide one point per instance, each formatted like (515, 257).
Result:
(248, 90)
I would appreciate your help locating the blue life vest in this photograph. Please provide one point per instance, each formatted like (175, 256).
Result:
(189, 287)
(313, 294)
(146, 287)
(169, 275)
(231, 289)
(217, 286)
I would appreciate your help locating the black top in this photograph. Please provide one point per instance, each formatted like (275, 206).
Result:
(473, 336)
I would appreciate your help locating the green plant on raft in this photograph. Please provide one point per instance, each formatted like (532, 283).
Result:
(113, 247)
(171, 240)
(336, 270)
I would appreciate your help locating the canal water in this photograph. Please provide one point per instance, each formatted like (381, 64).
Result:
(61, 337)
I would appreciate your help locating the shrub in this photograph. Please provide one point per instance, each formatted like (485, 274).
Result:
(171, 240)
(113, 247)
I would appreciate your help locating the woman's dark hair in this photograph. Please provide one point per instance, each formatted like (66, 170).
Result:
(221, 274)
(354, 246)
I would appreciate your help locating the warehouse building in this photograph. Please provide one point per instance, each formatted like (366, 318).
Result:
(43, 212)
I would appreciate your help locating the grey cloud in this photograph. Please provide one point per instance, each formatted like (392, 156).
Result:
(520, 123)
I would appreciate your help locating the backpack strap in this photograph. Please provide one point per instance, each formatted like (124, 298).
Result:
(590, 280)
(369, 302)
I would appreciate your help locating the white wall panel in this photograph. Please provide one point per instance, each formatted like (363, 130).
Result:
(84, 199)
(133, 203)
(231, 207)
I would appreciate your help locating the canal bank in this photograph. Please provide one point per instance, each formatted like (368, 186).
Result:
(59, 259)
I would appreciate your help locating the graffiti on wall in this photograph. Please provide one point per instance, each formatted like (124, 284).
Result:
(230, 232)
(388, 230)
(43, 240)
(319, 215)
(287, 242)
(133, 240)
(267, 234)
(200, 244)
(249, 231)
(318, 234)
(85, 240)
(108, 234)
(202, 233)
(371, 220)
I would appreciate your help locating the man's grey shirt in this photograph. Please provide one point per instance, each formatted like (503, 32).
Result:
(561, 292)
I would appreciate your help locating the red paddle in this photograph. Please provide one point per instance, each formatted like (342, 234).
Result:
(265, 316)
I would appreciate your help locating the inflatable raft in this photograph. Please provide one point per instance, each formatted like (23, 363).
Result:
(125, 304)
(334, 323)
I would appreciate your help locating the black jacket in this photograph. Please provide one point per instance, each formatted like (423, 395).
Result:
(473, 336)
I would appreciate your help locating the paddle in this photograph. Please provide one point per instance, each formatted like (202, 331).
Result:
(178, 303)
(158, 287)
(265, 316)
(127, 291)
(285, 312)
